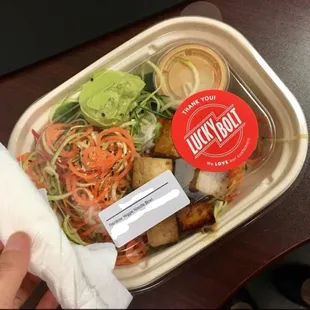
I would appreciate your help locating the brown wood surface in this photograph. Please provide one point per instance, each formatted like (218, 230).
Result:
(279, 29)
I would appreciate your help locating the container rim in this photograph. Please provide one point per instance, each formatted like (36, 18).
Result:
(165, 24)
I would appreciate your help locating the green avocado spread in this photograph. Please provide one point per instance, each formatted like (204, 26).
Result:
(109, 97)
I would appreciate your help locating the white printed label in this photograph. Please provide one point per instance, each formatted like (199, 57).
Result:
(143, 208)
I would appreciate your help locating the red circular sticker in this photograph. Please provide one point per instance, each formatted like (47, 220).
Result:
(214, 130)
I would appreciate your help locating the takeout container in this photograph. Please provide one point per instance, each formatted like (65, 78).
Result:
(284, 157)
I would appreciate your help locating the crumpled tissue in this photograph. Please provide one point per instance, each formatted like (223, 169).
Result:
(79, 277)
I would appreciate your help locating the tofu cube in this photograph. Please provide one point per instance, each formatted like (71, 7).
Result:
(146, 169)
(195, 216)
(164, 145)
(164, 233)
(210, 183)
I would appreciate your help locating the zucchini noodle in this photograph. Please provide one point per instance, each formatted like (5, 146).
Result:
(187, 88)
(30, 157)
(83, 189)
(168, 106)
(59, 197)
(85, 184)
(194, 70)
(53, 176)
(46, 147)
(219, 206)
(63, 144)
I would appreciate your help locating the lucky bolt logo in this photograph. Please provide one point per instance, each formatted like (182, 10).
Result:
(214, 130)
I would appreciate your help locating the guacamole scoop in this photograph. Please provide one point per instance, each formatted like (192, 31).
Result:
(109, 97)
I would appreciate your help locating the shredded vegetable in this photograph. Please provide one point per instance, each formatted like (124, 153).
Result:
(132, 252)
(84, 171)
(196, 76)
(235, 177)
(219, 207)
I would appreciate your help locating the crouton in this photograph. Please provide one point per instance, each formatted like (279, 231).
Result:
(210, 183)
(147, 168)
(164, 145)
(164, 233)
(195, 216)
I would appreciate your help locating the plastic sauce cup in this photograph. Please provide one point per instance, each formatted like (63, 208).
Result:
(190, 68)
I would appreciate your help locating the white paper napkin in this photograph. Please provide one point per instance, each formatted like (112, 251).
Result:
(79, 277)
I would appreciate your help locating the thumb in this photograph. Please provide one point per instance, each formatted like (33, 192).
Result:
(14, 262)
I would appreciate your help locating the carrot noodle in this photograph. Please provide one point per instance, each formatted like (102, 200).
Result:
(133, 252)
(84, 171)
(235, 178)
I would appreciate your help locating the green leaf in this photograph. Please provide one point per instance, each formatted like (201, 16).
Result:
(165, 115)
(149, 82)
(65, 111)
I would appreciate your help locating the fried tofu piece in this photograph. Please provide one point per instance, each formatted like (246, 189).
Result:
(222, 185)
(164, 233)
(195, 216)
(147, 168)
(164, 145)
(210, 183)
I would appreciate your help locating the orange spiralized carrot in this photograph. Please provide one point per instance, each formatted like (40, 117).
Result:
(22, 157)
(53, 132)
(122, 260)
(85, 176)
(235, 177)
(124, 173)
(134, 251)
(93, 156)
(126, 137)
(90, 230)
(31, 171)
(120, 130)
(31, 167)
(70, 154)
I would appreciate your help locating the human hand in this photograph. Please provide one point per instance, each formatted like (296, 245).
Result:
(16, 285)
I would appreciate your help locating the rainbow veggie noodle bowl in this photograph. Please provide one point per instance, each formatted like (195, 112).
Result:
(107, 132)
(110, 137)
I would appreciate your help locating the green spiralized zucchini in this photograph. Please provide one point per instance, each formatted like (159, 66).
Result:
(71, 233)
(195, 72)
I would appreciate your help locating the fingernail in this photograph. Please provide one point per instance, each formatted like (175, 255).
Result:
(19, 241)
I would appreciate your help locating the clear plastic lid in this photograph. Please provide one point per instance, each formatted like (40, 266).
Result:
(113, 134)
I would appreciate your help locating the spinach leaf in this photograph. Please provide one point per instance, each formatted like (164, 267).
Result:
(65, 111)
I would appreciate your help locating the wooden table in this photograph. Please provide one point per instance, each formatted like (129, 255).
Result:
(279, 29)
